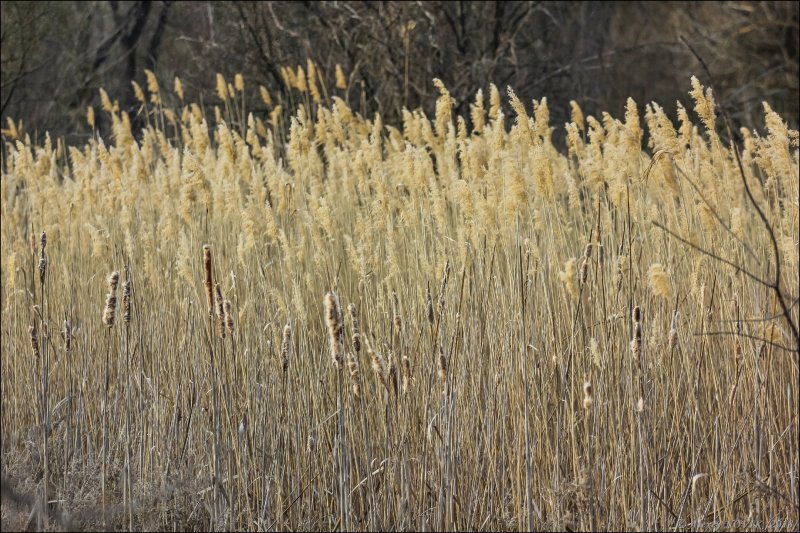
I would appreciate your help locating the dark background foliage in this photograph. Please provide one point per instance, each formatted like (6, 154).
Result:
(56, 55)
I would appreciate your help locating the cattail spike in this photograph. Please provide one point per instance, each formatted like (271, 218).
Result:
(378, 365)
(356, 335)
(220, 310)
(333, 319)
(355, 376)
(207, 281)
(34, 341)
(110, 311)
(588, 398)
(286, 346)
(429, 305)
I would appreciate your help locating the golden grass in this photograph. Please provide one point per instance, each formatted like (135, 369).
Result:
(529, 397)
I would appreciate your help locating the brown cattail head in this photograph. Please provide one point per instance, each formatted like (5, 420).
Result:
(673, 331)
(584, 272)
(398, 321)
(637, 314)
(43, 240)
(429, 305)
(66, 334)
(207, 278)
(587, 251)
(355, 377)
(636, 343)
(42, 266)
(286, 346)
(443, 371)
(601, 254)
(588, 398)
(126, 301)
(406, 374)
(444, 286)
(378, 365)
(228, 316)
(333, 319)
(34, 341)
(393, 376)
(220, 310)
(110, 311)
(356, 335)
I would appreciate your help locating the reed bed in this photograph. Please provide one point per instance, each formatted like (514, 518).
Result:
(329, 323)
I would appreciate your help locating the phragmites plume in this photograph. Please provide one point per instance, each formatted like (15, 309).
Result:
(443, 371)
(333, 319)
(228, 315)
(587, 255)
(110, 312)
(429, 305)
(444, 286)
(378, 365)
(588, 398)
(286, 346)
(66, 334)
(356, 335)
(398, 321)
(636, 342)
(207, 279)
(34, 341)
(220, 310)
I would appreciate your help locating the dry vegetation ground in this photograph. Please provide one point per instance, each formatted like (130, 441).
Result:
(539, 341)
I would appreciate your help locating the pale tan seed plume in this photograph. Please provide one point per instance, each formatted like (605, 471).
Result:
(109, 314)
(286, 347)
(333, 319)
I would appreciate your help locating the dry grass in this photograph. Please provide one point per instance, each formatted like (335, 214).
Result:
(525, 393)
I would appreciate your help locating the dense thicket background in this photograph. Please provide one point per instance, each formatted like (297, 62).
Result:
(56, 55)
